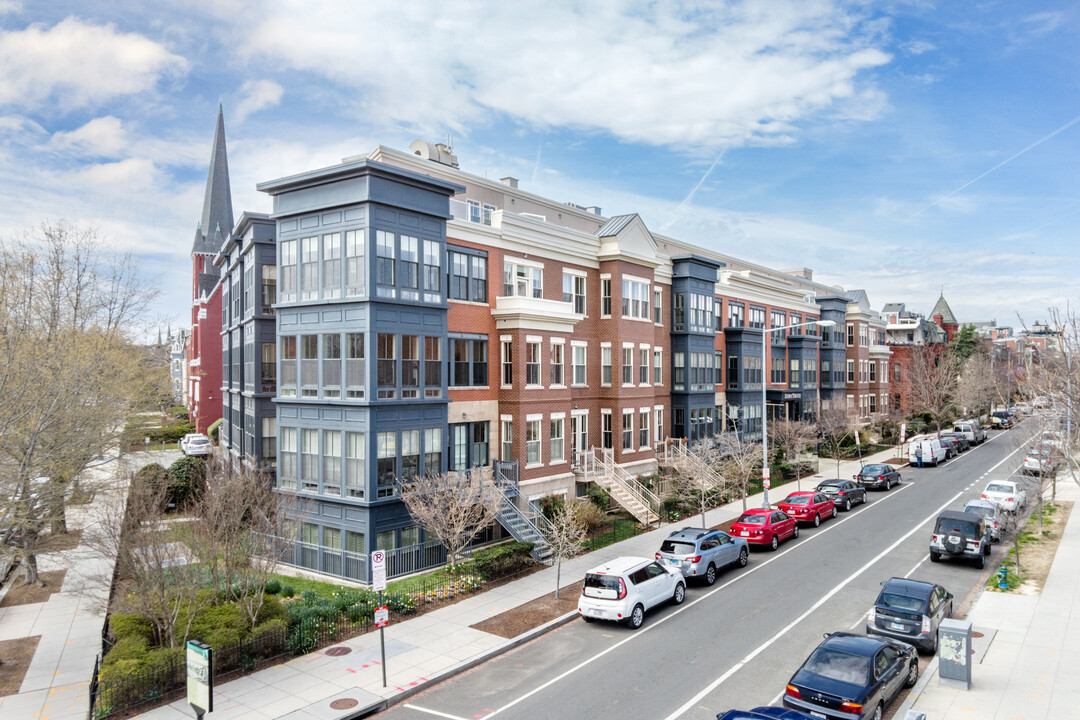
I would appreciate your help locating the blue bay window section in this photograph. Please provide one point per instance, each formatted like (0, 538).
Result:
(694, 369)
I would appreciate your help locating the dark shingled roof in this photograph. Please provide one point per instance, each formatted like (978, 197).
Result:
(942, 308)
(217, 213)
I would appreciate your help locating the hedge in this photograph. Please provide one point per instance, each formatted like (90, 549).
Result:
(503, 559)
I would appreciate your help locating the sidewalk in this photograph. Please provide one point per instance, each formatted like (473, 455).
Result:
(434, 646)
(1032, 660)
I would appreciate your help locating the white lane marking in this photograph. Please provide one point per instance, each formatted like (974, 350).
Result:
(825, 598)
(685, 607)
(432, 712)
(909, 572)
(777, 698)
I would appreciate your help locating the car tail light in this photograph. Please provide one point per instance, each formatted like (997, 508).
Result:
(984, 496)
(934, 537)
(977, 546)
(841, 493)
(657, 556)
(925, 625)
(871, 617)
(693, 559)
(622, 589)
(854, 708)
(583, 589)
(1008, 499)
(880, 477)
(792, 691)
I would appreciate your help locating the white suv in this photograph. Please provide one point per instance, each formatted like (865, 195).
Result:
(622, 590)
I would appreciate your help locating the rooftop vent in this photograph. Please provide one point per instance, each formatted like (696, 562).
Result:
(436, 152)
(509, 181)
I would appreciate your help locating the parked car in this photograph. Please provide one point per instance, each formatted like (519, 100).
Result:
(196, 444)
(699, 553)
(1051, 438)
(991, 510)
(971, 430)
(878, 476)
(808, 506)
(1042, 402)
(951, 445)
(930, 451)
(1008, 494)
(1022, 409)
(622, 590)
(844, 493)
(1039, 460)
(764, 713)
(852, 676)
(910, 610)
(962, 443)
(1003, 419)
(765, 527)
(960, 535)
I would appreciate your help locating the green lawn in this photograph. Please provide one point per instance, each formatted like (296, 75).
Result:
(615, 531)
(417, 583)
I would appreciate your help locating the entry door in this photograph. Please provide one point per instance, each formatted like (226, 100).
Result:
(579, 432)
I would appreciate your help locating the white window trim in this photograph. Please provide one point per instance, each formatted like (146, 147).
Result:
(523, 261)
(558, 416)
(534, 417)
(579, 273)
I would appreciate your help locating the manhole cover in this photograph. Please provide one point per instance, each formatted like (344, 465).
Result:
(344, 703)
(976, 633)
(338, 651)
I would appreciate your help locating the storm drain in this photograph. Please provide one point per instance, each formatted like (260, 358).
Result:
(338, 651)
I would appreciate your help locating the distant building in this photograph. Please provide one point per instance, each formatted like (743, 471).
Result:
(177, 343)
(905, 332)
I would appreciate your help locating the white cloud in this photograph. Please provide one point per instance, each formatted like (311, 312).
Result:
(101, 137)
(256, 95)
(682, 74)
(917, 47)
(75, 64)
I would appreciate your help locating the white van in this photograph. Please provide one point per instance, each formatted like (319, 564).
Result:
(971, 430)
(930, 450)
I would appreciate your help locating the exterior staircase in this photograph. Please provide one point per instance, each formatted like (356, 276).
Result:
(525, 525)
(677, 453)
(599, 466)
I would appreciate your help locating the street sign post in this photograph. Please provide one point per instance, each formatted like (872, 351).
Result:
(200, 678)
(378, 582)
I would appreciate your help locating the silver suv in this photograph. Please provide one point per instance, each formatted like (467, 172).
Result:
(699, 553)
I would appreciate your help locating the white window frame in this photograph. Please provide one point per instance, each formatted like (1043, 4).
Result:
(584, 365)
(558, 419)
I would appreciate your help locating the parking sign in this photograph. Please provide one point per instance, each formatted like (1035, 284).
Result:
(378, 570)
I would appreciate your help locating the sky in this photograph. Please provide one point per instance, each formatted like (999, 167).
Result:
(906, 148)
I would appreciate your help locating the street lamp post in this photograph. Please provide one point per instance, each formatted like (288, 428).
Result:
(764, 407)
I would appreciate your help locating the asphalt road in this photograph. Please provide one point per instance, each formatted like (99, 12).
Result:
(736, 644)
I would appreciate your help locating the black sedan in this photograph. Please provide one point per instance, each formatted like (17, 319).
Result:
(764, 713)
(962, 442)
(951, 446)
(878, 476)
(852, 676)
(843, 493)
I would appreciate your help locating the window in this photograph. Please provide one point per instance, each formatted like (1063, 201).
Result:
(410, 453)
(507, 363)
(432, 272)
(331, 265)
(479, 443)
(522, 280)
(479, 213)
(557, 363)
(331, 455)
(269, 440)
(606, 438)
(386, 368)
(288, 366)
(850, 335)
(643, 366)
(355, 368)
(873, 371)
(896, 373)
(532, 442)
(287, 458)
(309, 460)
(605, 364)
(658, 306)
(896, 401)
(532, 363)
(863, 341)
(432, 367)
(269, 367)
(573, 291)
(578, 364)
(643, 429)
(605, 297)
(433, 451)
(409, 268)
(873, 403)
(756, 317)
(249, 290)
(269, 288)
(507, 439)
(658, 366)
(288, 271)
(309, 268)
(678, 304)
(468, 445)
(627, 365)
(557, 444)
(386, 464)
(355, 468)
(628, 430)
(753, 369)
(635, 299)
(354, 263)
(778, 371)
(850, 370)
(678, 371)
(733, 371)
(701, 313)
(735, 315)
(826, 372)
(658, 430)
(410, 366)
(331, 370)
(795, 376)
(810, 376)
(384, 264)
(469, 359)
(309, 366)
(459, 276)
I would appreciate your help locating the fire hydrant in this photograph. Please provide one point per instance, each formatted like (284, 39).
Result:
(1003, 578)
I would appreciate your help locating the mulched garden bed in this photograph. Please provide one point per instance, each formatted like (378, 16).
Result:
(22, 594)
(532, 614)
(15, 656)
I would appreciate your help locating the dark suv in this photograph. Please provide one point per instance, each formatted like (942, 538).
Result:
(910, 610)
(960, 535)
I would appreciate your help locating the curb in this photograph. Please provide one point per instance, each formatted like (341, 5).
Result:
(917, 691)
(465, 665)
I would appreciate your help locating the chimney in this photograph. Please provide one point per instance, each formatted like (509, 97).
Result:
(509, 181)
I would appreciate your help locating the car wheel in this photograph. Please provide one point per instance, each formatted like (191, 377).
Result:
(912, 675)
(680, 594)
(835, 512)
(980, 563)
(933, 647)
(775, 542)
(934, 557)
(948, 613)
(847, 504)
(877, 712)
(744, 556)
(888, 484)
(899, 478)
(588, 619)
(710, 574)
(817, 520)
(795, 532)
(637, 617)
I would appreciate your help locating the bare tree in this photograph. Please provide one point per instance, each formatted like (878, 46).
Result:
(704, 490)
(975, 388)
(739, 462)
(837, 425)
(452, 507)
(934, 378)
(565, 536)
(792, 436)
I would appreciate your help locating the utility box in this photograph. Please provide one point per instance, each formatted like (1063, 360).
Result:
(954, 653)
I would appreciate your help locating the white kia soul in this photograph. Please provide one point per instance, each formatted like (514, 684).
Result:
(622, 590)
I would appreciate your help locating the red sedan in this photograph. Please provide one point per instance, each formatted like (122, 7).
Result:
(765, 527)
(808, 506)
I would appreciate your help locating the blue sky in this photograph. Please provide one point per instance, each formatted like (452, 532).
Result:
(900, 147)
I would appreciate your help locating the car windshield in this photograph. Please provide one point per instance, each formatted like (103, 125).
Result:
(965, 527)
(749, 519)
(797, 500)
(901, 602)
(998, 488)
(671, 547)
(874, 469)
(841, 666)
(602, 582)
(198, 441)
(980, 510)
(828, 488)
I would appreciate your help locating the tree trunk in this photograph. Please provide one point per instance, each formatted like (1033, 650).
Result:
(58, 520)
(28, 569)
(558, 577)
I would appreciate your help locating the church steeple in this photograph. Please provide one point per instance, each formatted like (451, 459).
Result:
(217, 212)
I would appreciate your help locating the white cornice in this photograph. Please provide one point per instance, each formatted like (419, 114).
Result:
(751, 286)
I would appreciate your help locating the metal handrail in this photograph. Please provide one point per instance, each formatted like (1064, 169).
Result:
(637, 489)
